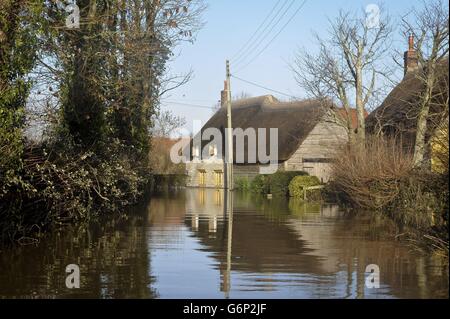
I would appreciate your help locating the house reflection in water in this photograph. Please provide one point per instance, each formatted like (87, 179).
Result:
(210, 207)
(271, 243)
(191, 244)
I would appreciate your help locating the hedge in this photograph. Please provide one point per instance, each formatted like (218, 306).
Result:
(276, 184)
(242, 183)
(298, 183)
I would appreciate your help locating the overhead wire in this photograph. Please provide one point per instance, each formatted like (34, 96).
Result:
(273, 39)
(265, 33)
(238, 53)
(263, 87)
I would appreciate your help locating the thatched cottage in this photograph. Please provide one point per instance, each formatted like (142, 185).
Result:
(397, 116)
(308, 136)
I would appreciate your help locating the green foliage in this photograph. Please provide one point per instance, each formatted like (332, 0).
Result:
(421, 202)
(298, 183)
(109, 75)
(276, 184)
(279, 182)
(18, 44)
(168, 181)
(260, 184)
(67, 185)
(242, 183)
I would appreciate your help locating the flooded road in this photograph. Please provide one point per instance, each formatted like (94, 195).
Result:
(187, 244)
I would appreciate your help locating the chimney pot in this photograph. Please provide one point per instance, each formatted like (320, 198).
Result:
(224, 95)
(411, 43)
(411, 60)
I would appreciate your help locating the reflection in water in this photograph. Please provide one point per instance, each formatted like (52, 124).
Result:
(229, 211)
(209, 243)
(112, 256)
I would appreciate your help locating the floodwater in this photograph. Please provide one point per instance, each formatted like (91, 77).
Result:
(190, 244)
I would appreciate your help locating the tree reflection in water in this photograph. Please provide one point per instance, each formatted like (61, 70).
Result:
(191, 244)
(311, 246)
(112, 256)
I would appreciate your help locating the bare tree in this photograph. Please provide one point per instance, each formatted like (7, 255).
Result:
(347, 67)
(165, 126)
(166, 123)
(429, 27)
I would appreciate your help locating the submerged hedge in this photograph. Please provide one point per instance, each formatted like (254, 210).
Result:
(60, 184)
(276, 184)
(298, 184)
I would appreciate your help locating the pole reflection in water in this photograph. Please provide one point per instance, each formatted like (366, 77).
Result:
(188, 244)
(228, 209)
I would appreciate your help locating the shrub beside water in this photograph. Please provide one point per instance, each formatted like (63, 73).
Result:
(382, 178)
(168, 181)
(279, 182)
(298, 184)
(67, 185)
(368, 178)
(242, 184)
(276, 184)
(260, 184)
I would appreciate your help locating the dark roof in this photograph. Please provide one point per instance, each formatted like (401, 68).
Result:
(294, 120)
(398, 112)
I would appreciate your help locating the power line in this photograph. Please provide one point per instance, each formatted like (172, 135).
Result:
(189, 104)
(256, 40)
(276, 35)
(264, 87)
(183, 100)
(238, 53)
(253, 47)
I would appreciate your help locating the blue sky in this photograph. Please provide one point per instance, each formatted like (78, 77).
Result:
(228, 26)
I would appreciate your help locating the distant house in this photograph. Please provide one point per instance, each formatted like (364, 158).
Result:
(308, 136)
(397, 116)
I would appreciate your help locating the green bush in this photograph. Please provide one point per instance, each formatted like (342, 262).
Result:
(298, 183)
(260, 184)
(67, 185)
(242, 183)
(276, 184)
(279, 182)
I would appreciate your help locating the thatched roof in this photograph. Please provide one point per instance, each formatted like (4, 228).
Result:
(397, 115)
(294, 121)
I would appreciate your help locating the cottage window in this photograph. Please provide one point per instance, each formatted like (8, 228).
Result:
(218, 178)
(201, 177)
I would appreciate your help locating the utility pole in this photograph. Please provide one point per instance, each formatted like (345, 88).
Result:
(228, 192)
(229, 132)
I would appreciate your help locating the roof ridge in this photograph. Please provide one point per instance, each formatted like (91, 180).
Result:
(252, 101)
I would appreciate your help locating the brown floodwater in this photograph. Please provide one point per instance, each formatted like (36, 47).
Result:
(190, 244)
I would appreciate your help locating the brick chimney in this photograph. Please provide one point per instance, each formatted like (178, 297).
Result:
(224, 95)
(411, 59)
